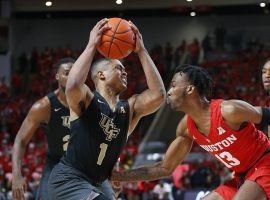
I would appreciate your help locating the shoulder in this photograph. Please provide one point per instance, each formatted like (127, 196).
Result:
(42, 104)
(40, 110)
(232, 106)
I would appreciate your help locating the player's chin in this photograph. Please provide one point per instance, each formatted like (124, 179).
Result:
(172, 105)
(123, 88)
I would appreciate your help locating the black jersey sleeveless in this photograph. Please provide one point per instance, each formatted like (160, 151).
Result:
(97, 138)
(57, 130)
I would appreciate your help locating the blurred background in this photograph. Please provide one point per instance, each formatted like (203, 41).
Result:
(230, 38)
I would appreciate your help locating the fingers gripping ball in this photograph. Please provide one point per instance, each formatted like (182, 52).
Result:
(119, 41)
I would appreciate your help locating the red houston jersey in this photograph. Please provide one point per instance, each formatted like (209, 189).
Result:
(238, 150)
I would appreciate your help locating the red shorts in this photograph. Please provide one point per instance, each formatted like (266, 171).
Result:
(259, 173)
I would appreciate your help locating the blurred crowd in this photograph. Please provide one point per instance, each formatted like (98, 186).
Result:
(234, 65)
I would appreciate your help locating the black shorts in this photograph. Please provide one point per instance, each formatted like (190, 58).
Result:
(43, 185)
(67, 183)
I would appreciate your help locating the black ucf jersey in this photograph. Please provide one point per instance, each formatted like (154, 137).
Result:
(57, 130)
(97, 138)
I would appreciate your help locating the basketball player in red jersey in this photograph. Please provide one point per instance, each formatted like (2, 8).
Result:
(266, 86)
(224, 128)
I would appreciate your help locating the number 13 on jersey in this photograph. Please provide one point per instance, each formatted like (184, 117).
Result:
(227, 159)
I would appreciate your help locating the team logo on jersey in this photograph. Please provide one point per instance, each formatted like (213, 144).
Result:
(220, 130)
(122, 110)
(66, 122)
(108, 127)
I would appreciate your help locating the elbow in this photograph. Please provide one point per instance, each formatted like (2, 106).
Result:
(160, 97)
(167, 173)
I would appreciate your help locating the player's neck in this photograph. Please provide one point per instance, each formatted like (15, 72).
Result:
(198, 109)
(61, 97)
(111, 97)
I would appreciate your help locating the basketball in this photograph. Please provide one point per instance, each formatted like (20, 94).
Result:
(119, 41)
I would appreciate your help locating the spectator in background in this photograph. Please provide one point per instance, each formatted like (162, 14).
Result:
(168, 56)
(194, 52)
(180, 54)
(4, 90)
(201, 176)
(220, 33)
(163, 191)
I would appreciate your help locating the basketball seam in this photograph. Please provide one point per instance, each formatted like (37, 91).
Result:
(113, 37)
(120, 32)
(120, 40)
(119, 48)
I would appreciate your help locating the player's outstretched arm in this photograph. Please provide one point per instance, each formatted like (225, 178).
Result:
(75, 88)
(235, 112)
(39, 113)
(175, 154)
(151, 99)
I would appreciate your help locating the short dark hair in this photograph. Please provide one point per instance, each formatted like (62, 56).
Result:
(198, 77)
(57, 65)
(98, 64)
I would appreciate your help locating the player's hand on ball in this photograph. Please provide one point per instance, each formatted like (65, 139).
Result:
(96, 32)
(139, 41)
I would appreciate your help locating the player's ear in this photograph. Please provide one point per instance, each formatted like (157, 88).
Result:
(101, 75)
(57, 76)
(190, 89)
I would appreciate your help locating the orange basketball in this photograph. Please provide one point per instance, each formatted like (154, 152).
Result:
(119, 41)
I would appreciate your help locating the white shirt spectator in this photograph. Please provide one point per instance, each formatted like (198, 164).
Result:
(163, 191)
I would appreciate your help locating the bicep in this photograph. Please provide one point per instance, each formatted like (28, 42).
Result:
(146, 103)
(27, 130)
(238, 111)
(31, 123)
(75, 96)
(39, 113)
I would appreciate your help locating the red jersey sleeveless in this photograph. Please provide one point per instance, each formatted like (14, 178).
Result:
(237, 150)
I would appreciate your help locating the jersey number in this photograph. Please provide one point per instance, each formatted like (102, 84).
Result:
(227, 159)
(103, 149)
(65, 140)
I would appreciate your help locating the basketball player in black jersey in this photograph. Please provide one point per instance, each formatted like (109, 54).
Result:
(100, 121)
(51, 111)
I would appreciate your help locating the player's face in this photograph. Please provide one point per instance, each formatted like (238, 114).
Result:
(266, 76)
(62, 75)
(177, 93)
(118, 76)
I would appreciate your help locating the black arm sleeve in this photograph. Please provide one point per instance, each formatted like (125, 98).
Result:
(265, 117)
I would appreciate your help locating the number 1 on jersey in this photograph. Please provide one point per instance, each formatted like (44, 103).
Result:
(103, 149)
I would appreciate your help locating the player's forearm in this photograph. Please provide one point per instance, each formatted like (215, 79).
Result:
(79, 72)
(17, 156)
(143, 173)
(153, 78)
